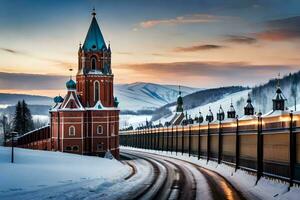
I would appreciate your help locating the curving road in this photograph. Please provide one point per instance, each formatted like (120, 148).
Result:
(153, 177)
(172, 178)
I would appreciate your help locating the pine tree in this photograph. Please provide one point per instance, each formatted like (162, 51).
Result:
(18, 119)
(27, 118)
(23, 122)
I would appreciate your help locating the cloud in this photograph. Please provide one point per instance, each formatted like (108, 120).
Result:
(198, 48)
(12, 51)
(23, 53)
(31, 81)
(240, 39)
(281, 29)
(207, 74)
(187, 19)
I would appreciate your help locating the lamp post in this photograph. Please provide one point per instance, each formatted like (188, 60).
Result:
(200, 120)
(12, 145)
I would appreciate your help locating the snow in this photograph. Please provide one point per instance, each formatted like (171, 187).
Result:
(35, 170)
(3, 106)
(244, 181)
(134, 120)
(147, 96)
(225, 102)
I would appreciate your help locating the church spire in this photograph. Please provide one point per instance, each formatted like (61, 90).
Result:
(279, 99)
(94, 40)
(179, 107)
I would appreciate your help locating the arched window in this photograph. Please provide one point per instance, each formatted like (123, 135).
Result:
(68, 148)
(93, 60)
(99, 129)
(71, 131)
(76, 148)
(96, 90)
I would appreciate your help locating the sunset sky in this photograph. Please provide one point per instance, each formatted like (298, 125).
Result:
(199, 43)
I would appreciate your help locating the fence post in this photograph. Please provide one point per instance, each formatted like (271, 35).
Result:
(158, 136)
(151, 137)
(190, 142)
(237, 145)
(220, 142)
(167, 133)
(292, 150)
(199, 142)
(208, 141)
(259, 155)
(172, 140)
(176, 148)
(182, 140)
(163, 138)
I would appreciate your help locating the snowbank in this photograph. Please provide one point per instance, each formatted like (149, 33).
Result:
(36, 170)
(242, 180)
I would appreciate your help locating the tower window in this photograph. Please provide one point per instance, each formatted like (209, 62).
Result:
(99, 129)
(71, 131)
(96, 90)
(93, 60)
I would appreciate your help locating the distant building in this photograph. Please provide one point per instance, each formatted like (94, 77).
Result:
(86, 120)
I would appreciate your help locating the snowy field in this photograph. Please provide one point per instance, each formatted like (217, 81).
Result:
(242, 180)
(44, 173)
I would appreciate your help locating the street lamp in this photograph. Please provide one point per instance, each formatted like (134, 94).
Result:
(13, 134)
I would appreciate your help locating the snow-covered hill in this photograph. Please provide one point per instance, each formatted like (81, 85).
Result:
(238, 99)
(148, 96)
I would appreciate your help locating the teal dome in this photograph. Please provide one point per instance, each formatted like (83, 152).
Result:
(58, 99)
(71, 85)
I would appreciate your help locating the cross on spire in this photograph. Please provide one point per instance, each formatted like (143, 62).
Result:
(278, 84)
(70, 69)
(94, 12)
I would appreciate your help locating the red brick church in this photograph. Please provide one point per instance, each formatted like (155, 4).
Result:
(86, 120)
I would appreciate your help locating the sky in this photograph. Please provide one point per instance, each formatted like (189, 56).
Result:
(198, 43)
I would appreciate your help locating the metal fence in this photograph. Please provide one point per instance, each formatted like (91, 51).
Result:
(268, 146)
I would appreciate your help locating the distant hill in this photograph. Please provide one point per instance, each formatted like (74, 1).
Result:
(261, 98)
(12, 99)
(148, 96)
(263, 94)
(197, 99)
(142, 97)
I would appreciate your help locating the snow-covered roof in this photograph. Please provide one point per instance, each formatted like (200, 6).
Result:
(248, 117)
(276, 113)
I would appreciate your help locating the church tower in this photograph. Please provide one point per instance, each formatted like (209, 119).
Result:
(86, 120)
(94, 77)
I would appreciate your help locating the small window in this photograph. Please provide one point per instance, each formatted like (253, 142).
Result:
(100, 147)
(96, 91)
(68, 148)
(93, 60)
(99, 129)
(76, 148)
(71, 131)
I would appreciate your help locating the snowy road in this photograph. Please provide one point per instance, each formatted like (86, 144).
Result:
(152, 176)
(183, 180)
